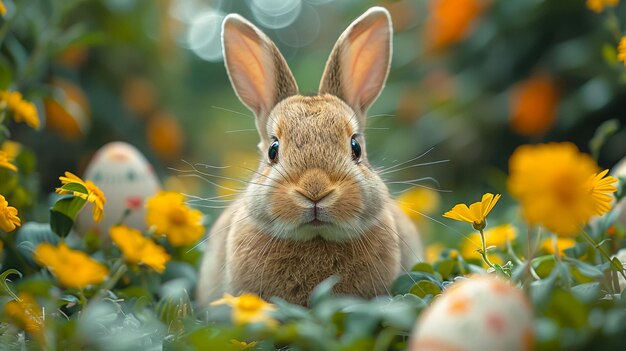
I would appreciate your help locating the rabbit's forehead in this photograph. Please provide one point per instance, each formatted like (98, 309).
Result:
(313, 120)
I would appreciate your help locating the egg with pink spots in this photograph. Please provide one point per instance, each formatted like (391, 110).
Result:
(127, 180)
(479, 313)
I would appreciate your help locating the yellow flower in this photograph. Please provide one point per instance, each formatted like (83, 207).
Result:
(72, 268)
(599, 5)
(621, 50)
(27, 312)
(242, 345)
(8, 216)
(3, 10)
(94, 194)
(247, 308)
(138, 249)
(433, 251)
(11, 149)
(498, 236)
(558, 187)
(562, 244)
(5, 161)
(476, 213)
(418, 201)
(168, 214)
(23, 111)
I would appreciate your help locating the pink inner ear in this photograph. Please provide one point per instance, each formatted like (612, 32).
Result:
(249, 67)
(366, 58)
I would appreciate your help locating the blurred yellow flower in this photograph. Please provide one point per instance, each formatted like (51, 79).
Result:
(5, 162)
(93, 195)
(242, 345)
(137, 249)
(171, 217)
(599, 5)
(3, 10)
(418, 201)
(621, 50)
(433, 251)
(248, 308)
(533, 105)
(562, 244)
(165, 136)
(27, 312)
(476, 213)
(23, 111)
(496, 236)
(558, 187)
(11, 149)
(8, 216)
(449, 21)
(72, 268)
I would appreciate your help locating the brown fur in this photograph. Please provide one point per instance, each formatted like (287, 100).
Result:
(264, 242)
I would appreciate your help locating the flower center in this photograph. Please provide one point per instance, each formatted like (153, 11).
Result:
(565, 189)
(177, 216)
(249, 303)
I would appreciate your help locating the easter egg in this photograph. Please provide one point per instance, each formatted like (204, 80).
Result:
(127, 180)
(480, 313)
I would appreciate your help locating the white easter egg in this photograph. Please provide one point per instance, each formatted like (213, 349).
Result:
(127, 180)
(480, 313)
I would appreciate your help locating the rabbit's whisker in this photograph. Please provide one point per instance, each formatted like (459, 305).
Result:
(388, 171)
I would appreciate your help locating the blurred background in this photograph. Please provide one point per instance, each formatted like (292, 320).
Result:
(470, 81)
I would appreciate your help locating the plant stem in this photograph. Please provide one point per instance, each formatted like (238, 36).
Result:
(600, 249)
(483, 252)
(118, 271)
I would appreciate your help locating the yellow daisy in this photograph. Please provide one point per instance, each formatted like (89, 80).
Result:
(72, 268)
(248, 308)
(23, 111)
(558, 187)
(476, 213)
(137, 249)
(5, 162)
(93, 195)
(8, 216)
(168, 214)
(28, 314)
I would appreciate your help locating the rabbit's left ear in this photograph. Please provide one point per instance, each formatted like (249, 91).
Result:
(357, 68)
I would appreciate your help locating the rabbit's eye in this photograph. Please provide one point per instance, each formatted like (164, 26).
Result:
(356, 149)
(272, 153)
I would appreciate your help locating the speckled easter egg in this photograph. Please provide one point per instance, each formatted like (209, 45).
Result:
(479, 313)
(126, 179)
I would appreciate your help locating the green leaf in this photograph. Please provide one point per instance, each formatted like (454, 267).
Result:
(5, 289)
(609, 54)
(423, 267)
(445, 267)
(323, 290)
(30, 236)
(586, 269)
(172, 309)
(405, 282)
(588, 292)
(424, 287)
(543, 265)
(64, 212)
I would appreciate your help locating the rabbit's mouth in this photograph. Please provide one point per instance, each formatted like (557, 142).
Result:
(317, 223)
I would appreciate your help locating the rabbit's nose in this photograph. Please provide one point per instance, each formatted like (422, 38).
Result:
(314, 185)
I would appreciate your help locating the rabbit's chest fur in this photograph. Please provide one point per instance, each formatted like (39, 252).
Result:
(262, 264)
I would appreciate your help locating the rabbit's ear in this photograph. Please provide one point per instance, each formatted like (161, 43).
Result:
(257, 70)
(359, 63)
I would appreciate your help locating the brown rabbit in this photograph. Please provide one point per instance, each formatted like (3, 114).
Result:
(315, 207)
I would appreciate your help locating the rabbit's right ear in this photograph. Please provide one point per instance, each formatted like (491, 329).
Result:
(257, 70)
